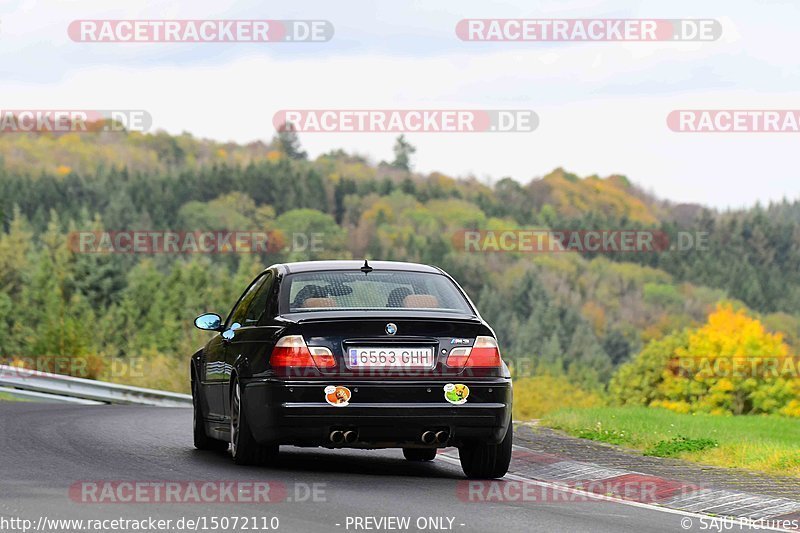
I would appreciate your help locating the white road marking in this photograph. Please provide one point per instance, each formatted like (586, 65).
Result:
(600, 497)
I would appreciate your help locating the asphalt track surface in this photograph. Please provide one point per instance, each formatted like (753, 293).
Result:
(47, 448)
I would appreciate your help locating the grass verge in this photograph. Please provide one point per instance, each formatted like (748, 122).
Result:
(5, 397)
(759, 443)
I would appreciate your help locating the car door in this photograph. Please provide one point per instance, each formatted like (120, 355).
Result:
(217, 373)
(250, 339)
(212, 379)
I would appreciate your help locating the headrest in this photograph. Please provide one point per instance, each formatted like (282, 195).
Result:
(319, 302)
(421, 301)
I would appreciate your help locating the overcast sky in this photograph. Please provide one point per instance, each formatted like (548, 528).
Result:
(602, 106)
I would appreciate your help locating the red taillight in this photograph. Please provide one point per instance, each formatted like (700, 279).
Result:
(323, 357)
(458, 357)
(483, 354)
(291, 351)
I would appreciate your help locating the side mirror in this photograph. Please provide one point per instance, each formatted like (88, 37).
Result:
(208, 321)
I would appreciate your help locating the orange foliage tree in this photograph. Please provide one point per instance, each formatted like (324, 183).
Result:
(730, 365)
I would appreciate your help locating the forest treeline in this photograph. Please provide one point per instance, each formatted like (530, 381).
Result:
(581, 314)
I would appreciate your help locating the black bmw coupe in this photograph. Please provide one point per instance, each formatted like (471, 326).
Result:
(353, 354)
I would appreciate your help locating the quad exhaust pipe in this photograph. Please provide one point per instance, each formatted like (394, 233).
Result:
(350, 436)
(337, 436)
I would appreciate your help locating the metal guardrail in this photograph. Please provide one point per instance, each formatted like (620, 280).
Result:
(14, 380)
(33, 396)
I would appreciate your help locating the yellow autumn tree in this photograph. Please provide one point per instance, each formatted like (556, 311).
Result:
(730, 365)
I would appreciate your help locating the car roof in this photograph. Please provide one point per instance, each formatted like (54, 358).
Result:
(317, 266)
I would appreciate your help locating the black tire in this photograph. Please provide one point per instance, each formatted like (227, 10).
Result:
(244, 448)
(487, 461)
(201, 440)
(419, 454)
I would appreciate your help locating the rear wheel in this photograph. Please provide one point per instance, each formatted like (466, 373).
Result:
(201, 440)
(244, 448)
(487, 461)
(419, 454)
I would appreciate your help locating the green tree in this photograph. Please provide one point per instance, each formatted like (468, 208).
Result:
(311, 235)
(55, 321)
(730, 365)
(403, 150)
(288, 142)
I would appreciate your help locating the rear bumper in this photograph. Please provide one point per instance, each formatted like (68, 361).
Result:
(384, 413)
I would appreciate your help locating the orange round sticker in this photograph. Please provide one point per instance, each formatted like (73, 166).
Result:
(338, 396)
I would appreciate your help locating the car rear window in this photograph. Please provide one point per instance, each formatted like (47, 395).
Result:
(332, 290)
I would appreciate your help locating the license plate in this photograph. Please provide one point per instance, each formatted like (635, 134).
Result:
(390, 357)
